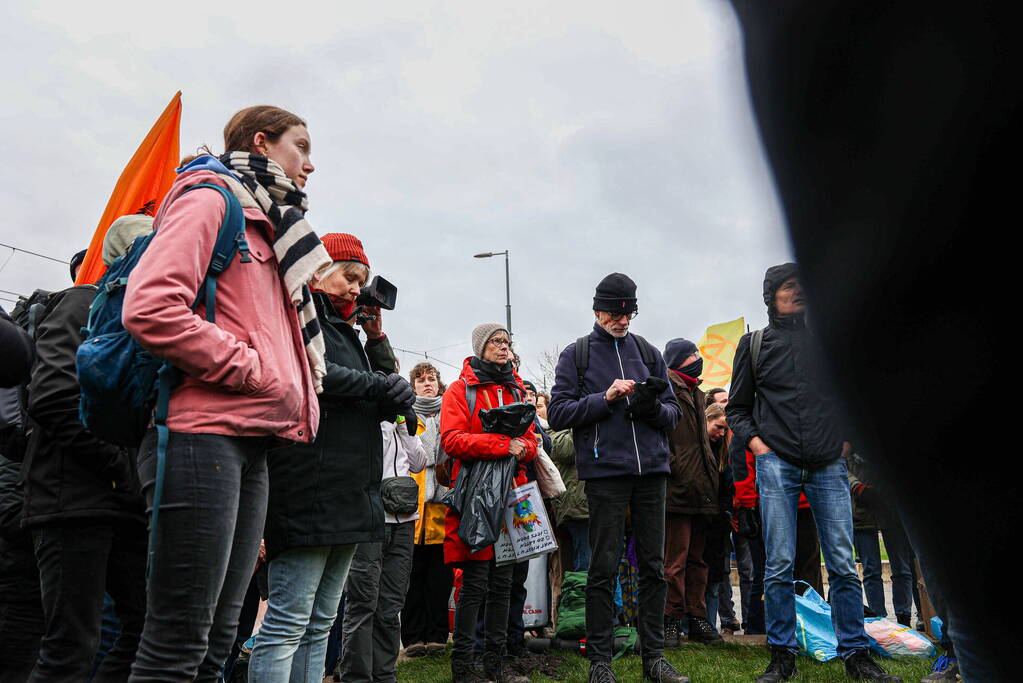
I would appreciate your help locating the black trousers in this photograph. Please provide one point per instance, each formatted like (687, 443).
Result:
(609, 499)
(211, 520)
(482, 582)
(424, 618)
(21, 609)
(78, 562)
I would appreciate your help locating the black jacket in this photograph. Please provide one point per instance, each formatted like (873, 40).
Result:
(328, 492)
(16, 352)
(788, 405)
(69, 473)
(693, 483)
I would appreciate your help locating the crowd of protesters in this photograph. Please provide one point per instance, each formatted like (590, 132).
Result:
(303, 469)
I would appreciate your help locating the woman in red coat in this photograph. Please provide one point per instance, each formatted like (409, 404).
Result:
(462, 437)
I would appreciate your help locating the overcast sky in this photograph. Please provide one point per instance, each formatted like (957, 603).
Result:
(584, 137)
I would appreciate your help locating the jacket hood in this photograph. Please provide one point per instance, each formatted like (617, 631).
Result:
(773, 279)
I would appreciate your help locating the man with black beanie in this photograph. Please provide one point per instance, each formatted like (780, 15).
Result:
(611, 388)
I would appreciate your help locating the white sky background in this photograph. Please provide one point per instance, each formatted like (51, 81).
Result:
(585, 137)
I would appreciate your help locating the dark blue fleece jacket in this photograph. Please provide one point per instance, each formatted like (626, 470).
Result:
(607, 442)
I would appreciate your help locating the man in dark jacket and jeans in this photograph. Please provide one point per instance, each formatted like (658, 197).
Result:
(781, 410)
(692, 499)
(605, 392)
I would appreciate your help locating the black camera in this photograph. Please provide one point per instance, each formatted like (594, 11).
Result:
(380, 293)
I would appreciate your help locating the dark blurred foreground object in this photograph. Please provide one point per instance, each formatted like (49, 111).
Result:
(889, 128)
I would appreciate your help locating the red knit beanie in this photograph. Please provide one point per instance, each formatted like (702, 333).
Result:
(344, 247)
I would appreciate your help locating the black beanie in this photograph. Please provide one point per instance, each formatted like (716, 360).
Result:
(76, 261)
(616, 293)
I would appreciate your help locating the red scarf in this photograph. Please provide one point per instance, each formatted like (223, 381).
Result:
(343, 307)
(691, 383)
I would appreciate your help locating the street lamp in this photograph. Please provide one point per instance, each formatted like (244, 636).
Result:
(507, 281)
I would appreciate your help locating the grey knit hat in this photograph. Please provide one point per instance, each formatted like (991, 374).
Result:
(482, 334)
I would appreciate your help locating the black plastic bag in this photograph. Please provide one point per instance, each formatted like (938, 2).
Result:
(512, 420)
(479, 496)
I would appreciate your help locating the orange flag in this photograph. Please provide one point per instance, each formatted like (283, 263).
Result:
(141, 187)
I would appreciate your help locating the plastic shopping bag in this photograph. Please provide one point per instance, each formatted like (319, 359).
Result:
(890, 639)
(814, 631)
(487, 488)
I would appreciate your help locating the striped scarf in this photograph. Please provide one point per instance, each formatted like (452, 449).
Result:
(300, 254)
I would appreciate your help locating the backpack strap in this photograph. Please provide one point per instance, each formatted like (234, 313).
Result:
(470, 399)
(230, 240)
(646, 352)
(582, 359)
(755, 342)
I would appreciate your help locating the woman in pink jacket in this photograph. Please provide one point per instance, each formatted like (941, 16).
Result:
(248, 382)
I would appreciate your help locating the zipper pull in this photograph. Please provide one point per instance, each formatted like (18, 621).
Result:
(595, 456)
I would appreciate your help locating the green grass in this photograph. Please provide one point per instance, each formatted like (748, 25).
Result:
(703, 664)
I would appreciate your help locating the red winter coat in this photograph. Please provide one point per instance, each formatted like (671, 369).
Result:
(462, 437)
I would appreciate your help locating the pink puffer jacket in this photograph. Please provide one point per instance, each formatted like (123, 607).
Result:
(246, 375)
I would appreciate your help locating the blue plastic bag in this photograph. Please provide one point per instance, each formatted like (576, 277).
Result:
(814, 630)
(937, 627)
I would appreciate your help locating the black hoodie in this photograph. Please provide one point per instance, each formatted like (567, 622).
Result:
(788, 404)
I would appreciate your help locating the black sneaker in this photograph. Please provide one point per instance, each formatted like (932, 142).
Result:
(600, 672)
(782, 666)
(945, 668)
(862, 667)
(660, 670)
(671, 635)
(700, 631)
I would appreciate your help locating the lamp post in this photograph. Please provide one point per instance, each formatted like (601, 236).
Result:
(507, 282)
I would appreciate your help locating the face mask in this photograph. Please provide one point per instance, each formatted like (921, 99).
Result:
(693, 369)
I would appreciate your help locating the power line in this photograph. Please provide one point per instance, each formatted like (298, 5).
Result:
(26, 251)
(7, 291)
(427, 356)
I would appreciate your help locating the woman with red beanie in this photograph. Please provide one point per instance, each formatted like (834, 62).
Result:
(325, 496)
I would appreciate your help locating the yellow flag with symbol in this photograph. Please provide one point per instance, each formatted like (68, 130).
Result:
(717, 346)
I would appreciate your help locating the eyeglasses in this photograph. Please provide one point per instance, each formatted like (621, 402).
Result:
(501, 343)
(619, 316)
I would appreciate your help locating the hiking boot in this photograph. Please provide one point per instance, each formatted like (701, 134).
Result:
(434, 649)
(496, 668)
(905, 619)
(464, 671)
(671, 636)
(730, 627)
(660, 670)
(522, 661)
(782, 666)
(862, 667)
(945, 668)
(600, 672)
(415, 650)
(700, 631)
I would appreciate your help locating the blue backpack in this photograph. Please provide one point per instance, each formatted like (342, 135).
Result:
(124, 388)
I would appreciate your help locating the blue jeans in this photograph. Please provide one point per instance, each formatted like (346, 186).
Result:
(827, 489)
(305, 587)
(579, 531)
(899, 557)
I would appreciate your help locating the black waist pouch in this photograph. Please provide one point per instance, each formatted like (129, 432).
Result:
(400, 495)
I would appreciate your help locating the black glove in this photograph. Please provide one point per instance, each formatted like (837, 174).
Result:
(646, 400)
(398, 394)
(411, 422)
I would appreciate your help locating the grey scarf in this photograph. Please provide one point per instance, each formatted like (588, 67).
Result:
(428, 409)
